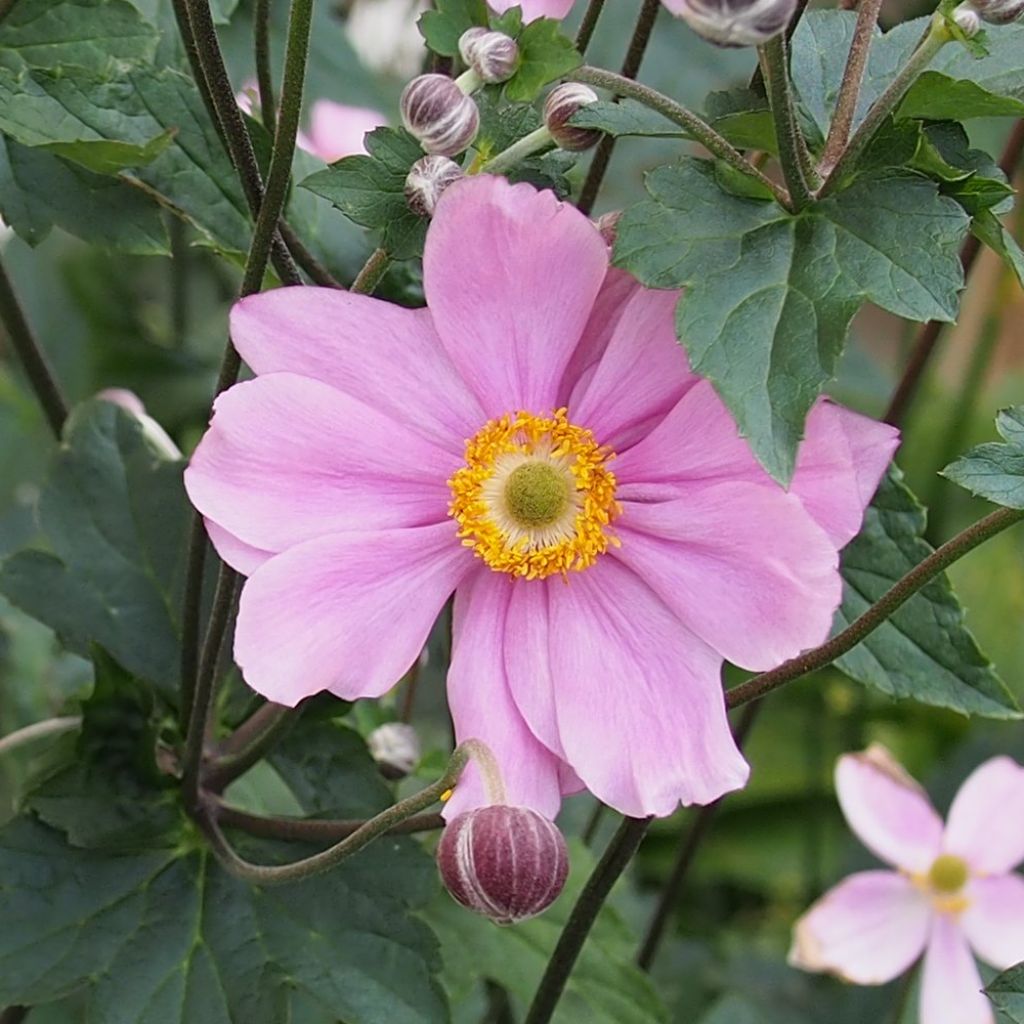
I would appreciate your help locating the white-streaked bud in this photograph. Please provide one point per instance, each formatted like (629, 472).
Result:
(494, 56)
(563, 101)
(967, 19)
(395, 747)
(995, 12)
(441, 116)
(427, 180)
(735, 22)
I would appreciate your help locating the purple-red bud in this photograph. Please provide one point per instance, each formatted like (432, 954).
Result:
(562, 103)
(441, 116)
(494, 56)
(427, 180)
(507, 863)
(997, 12)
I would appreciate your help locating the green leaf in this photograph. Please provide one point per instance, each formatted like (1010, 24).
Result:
(443, 26)
(990, 230)
(115, 515)
(995, 471)
(544, 56)
(924, 651)
(1007, 993)
(370, 190)
(742, 116)
(938, 97)
(770, 296)
(627, 118)
(39, 191)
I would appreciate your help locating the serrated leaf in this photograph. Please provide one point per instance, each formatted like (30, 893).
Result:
(545, 54)
(443, 26)
(742, 116)
(924, 651)
(990, 230)
(995, 471)
(1006, 991)
(627, 118)
(939, 97)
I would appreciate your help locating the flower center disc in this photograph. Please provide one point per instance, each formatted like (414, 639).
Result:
(535, 496)
(948, 874)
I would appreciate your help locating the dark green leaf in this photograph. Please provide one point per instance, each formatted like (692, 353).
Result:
(443, 26)
(995, 471)
(924, 651)
(510, 22)
(938, 97)
(990, 230)
(627, 118)
(1007, 993)
(544, 56)
(501, 123)
(743, 117)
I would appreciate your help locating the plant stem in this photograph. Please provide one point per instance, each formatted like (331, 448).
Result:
(249, 743)
(694, 125)
(588, 24)
(31, 356)
(900, 592)
(630, 67)
(195, 567)
(687, 853)
(792, 148)
(373, 270)
(180, 259)
(311, 830)
(38, 731)
(264, 78)
(849, 90)
(935, 37)
(589, 833)
(265, 874)
(317, 272)
(618, 854)
(538, 139)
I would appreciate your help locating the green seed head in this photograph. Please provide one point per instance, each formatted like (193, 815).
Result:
(536, 494)
(948, 874)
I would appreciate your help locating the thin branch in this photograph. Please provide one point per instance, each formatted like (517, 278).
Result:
(373, 270)
(253, 739)
(317, 272)
(311, 830)
(793, 157)
(264, 77)
(38, 731)
(588, 24)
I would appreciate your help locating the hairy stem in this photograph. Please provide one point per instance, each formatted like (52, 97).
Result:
(373, 270)
(588, 24)
(792, 148)
(900, 592)
(534, 142)
(317, 272)
(312, 830)
(38, 731)
(250, 742)
(264, 77)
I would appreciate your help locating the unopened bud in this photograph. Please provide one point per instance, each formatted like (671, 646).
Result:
(441, 116)
(967, 19)
(494, 56)
(608, 225)
(427, 180)
(395, 747)
(508, 863)
(995, 12)
(562, 103)
(735, 22)
(155, 435)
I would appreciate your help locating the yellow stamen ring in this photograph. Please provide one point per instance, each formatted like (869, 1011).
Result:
(535, 496)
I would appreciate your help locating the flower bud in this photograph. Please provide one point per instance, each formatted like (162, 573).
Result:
(494, 56)
(563, 101)
(967, 19)
(427, 179)
(439, 114)
(508, 863)
(395, 747)
(155, 435)
(995, 12)
(735, 22)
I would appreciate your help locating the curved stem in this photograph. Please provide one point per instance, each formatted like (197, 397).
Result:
(618, 854)
(792, 148)
(264, 78)
(373, 270)
(538, 139)
(694, 125)
(31, 356)
(311, 830)
(588, 24)
(38, 731)
(317, 272)
(901, 591)
(250, 743)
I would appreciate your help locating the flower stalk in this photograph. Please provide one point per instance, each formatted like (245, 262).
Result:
(540, 138)
(373, 271)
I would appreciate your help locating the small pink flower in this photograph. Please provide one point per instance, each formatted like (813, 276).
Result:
(954, 889)
(534, 441)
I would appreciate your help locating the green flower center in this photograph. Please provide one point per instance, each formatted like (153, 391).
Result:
(537, 494)
(948, 874)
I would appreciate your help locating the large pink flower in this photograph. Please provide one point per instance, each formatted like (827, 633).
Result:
(954, 888)
(608, 535)
(533, 9)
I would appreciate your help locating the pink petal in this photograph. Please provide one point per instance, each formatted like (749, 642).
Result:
(639, 702)
(950, 984)
(287, 459)
(337, 130)
(240, 556)
(994, 920)
(840, 463)
(642, 373)
(374, 351)
(705, 556)
(482, 708)
(867, 930)
(888, 810)
(347, 613)
(511, 275)
(986, 821)
(533, 9)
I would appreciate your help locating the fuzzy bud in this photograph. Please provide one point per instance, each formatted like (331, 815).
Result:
(967, 19)
(427, 179)
(441, 116)
(507, 863)
(995, 12)
(395, 747)
(735, 22)
(562, 103)
(494, 56)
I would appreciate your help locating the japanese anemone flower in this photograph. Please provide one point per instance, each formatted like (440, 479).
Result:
(953, 889)
(534, 441)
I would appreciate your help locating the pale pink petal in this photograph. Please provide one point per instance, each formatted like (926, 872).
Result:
(242, 557)
(840, 463)
(639, 701)
(482, 708)
(986, 822)
(868, 930)
(287, 459)
(384, 355)
(994, 919)
(337, 130)
(533, 9)
(641, 375)
(888, 810)
(510, 276)
(951, 989)
(347, 613)
(706, 557)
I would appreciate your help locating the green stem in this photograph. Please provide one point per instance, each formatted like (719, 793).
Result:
(694, 125)
(33, 359)
(195, 568)
(250, 742)
(901, 591)
(538, 139)
(317, 272)
(264, 78)
(792, 148)
(373, 270)
(38, 731)
(935, 37)
(313, 830)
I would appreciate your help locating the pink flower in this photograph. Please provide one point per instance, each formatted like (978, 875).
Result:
(533, 9)
(954, 889)
(608, 535)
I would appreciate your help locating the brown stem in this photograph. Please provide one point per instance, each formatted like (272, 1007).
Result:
(588, 24)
